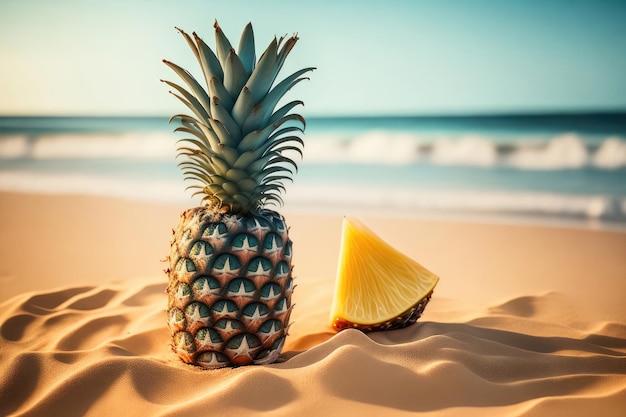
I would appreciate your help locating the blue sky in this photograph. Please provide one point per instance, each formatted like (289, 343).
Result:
(80, 57)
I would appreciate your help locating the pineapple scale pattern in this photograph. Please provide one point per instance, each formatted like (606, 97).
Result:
(230, 286)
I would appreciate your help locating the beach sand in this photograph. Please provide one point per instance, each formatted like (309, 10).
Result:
(526, 321)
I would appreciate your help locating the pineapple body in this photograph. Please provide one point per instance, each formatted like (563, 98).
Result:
(230, 287)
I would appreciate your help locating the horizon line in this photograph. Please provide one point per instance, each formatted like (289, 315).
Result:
(399, 115)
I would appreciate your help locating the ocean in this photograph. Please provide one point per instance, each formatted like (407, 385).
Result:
(549, 168)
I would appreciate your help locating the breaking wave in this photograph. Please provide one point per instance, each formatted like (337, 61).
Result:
(127, 145)
(564, 151)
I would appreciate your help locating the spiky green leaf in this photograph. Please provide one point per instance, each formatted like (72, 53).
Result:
(217, 89)
(190, 43)
(222, 133)
(246, 49)
(282, 112)
(229, 154)
(222, 44)
(189, 105)
(242, 107)
(262, 77)
(196, 88)
(235, 76)
(262, 111)
(197, 107)
(221, 114)
(210, 64)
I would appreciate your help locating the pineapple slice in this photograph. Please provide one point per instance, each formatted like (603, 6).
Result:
(377, 287)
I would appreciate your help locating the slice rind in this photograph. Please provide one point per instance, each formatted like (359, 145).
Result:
(377, 287)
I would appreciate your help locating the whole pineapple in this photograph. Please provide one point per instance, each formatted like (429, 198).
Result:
(230, 272)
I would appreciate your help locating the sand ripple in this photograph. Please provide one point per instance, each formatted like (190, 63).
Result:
(104, 351)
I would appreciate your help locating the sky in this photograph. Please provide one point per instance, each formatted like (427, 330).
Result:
(94, 57)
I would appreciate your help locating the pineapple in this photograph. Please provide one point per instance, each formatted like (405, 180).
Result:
(230, 274)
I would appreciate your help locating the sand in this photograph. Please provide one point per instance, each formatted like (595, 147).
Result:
(526, 321)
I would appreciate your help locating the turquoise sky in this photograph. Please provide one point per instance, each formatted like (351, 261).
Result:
(374, 57)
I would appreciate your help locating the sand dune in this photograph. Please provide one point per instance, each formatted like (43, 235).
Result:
(493, 341)
(100, 350)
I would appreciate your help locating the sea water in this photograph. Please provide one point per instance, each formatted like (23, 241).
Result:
(534, 167)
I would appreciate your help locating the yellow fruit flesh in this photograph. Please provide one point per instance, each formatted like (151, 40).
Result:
(375, 282)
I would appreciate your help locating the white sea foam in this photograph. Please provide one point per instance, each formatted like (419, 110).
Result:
(467, 150)
(106, 145)
(140, 145)
(325, 149)
(562, 152)
(373, 147)
(611, 154)
(568, 151)
(382, 148)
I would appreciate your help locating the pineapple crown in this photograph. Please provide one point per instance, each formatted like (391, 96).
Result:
(236, 152)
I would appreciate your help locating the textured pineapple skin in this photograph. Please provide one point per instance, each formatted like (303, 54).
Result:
(229, 287)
